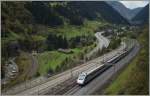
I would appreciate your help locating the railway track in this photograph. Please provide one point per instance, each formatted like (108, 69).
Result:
(62, 87)
(106, 76)
(73, 90)
(41, 87)
(45, 86)
(69, 89)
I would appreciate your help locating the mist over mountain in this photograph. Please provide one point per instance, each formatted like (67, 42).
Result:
(142, 17)
(99, 10)
(124, 11)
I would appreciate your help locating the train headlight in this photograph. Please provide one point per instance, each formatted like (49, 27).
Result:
(80, 81)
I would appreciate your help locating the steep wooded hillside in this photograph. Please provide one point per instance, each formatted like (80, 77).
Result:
(124, 11)
(25, 25)
(142, 17)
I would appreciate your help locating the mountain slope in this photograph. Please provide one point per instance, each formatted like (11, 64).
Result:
(55, 14)
(98, 9)
(75, 11)
(25, 25)
(124, 11)
(134, 79)
(142, 17)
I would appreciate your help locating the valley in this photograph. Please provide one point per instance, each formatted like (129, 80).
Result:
(58, 39)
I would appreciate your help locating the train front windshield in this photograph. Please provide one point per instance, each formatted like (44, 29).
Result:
(81, 77)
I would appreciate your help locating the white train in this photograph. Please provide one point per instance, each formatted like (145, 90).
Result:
(87, 76)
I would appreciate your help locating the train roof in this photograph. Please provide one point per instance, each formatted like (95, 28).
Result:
(93, 69)
(113, 58)
(117, 56)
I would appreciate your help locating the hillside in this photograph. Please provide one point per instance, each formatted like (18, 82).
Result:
(142, 17)
(23, 25)
(124, 11)
(43, 28)
(99, 10)
(134, 79)
(45, 38)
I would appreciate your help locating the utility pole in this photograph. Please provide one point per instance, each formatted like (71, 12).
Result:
(103, 58)
(38, 90)
(84, 59)
(114, 67)
(26, 84)
(71, 71)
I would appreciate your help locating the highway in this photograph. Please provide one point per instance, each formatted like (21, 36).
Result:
(103, 42)
(98, 83)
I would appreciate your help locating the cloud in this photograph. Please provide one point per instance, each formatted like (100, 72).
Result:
(134, 4)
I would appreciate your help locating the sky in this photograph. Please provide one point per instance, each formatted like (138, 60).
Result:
(134, 4)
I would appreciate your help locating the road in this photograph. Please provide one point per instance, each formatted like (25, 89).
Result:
(98, 83)
(103, 42)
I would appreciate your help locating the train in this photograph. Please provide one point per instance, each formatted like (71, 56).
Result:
(87, 76)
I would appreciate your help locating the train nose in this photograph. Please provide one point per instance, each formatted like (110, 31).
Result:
(80, 82)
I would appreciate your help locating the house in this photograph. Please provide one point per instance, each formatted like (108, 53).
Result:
(68, 51)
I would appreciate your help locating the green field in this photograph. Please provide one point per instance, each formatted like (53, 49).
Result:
(134, 79)
(52, 59)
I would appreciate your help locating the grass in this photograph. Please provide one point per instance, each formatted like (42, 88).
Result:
(134, 79)
(52, 59)
(121, 80)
